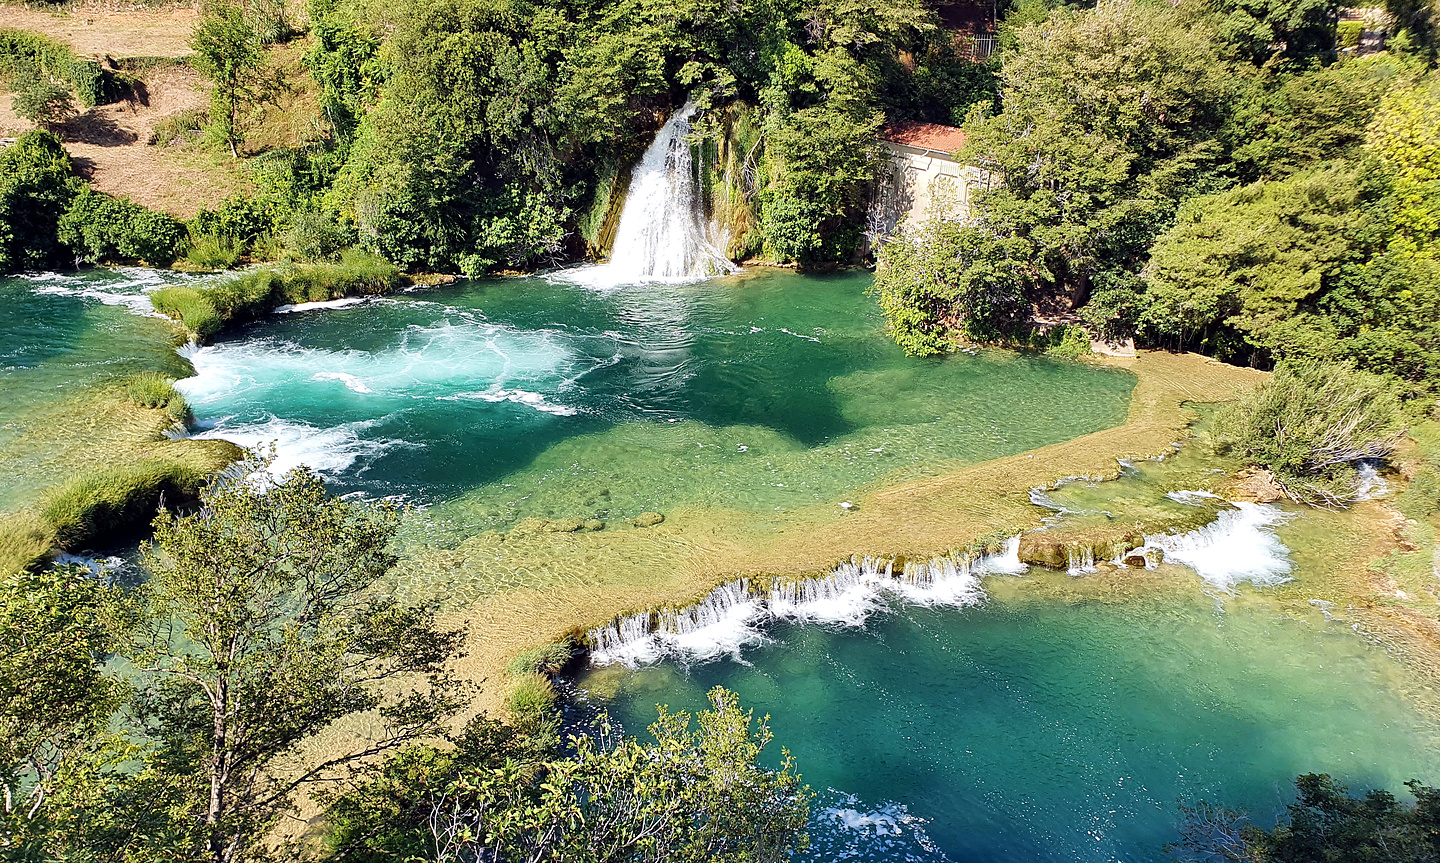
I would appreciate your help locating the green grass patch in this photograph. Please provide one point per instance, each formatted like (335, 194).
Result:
(101, 503)
(156, 390)
(25, 541)
(547, 659)
(205, 309)
(533, 697)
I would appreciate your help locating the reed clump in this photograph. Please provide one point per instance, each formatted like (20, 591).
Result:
(205, 309)
(156, 391)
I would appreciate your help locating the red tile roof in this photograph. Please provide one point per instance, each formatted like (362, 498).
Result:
(925, 136)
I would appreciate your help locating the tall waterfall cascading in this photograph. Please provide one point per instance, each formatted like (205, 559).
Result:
(731, 615)
(663, 234)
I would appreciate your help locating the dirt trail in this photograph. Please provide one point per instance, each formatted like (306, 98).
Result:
(110, 143)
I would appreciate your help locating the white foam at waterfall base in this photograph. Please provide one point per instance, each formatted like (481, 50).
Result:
(663, 235)
(445, 360)
(1240, 545)
(719, 625)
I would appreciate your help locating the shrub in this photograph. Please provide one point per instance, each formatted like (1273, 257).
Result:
(38, 98)
(1067, 341)
(24, 48)
(155, 390)
(314, 236)
(1309, 424)
(212, 252)
(1348, 33)
(36, 187)
(239, 218)
(90, 83)
(99, 227)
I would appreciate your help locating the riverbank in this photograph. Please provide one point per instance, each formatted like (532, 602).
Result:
(565, 583)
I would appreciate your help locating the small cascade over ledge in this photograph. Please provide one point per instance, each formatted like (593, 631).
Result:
(733, 614)
(664, 235)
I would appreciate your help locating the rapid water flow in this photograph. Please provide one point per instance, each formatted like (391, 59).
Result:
(663, 234)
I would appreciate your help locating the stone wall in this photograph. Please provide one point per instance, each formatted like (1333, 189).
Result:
(923, 184)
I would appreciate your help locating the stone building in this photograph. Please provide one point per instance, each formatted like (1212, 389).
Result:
(925, 180)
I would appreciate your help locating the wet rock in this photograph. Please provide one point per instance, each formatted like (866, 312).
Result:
(648, 519)
(1038, 549)
(593, 524)
(1256, 485)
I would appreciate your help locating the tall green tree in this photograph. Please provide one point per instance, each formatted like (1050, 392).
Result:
(228, 52)
(1109, 119)
(262, 628)
(57, 628)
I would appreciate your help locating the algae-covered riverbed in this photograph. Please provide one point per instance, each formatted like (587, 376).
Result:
(766, 417)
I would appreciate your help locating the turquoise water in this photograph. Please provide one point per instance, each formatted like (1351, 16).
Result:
(1021, 729)
(1056, 730)
(58, 335)
(522, 397)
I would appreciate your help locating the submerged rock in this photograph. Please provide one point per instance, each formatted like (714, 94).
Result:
(648, 519)
(593, 524)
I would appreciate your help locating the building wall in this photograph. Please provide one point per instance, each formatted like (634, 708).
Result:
(924, 184)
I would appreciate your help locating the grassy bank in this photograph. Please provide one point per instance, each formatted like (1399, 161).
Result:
(206, 309)
(98, 465)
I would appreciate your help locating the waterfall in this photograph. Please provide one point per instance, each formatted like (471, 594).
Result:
(663, 234)
(731, 616)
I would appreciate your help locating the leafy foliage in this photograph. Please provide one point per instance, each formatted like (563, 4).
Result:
(1310, 423)
(55, 701)
(102, 228)
(510, 792)
(260, 632)
(36, 187)
(943, 280)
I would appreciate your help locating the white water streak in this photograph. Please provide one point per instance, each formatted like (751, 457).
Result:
(663, 235)
(733, 615)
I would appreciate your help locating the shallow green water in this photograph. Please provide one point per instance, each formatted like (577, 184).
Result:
(1047, 730)
(58, 334)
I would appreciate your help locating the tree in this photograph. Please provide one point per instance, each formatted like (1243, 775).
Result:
(227, 51)
(261, 629)
(940, 281)
(36, 186)
(508, 793)
(1250, 268)
(1310, 424)
(38, 97)
(1110, 118)
(55, 700)
(1324, 824)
